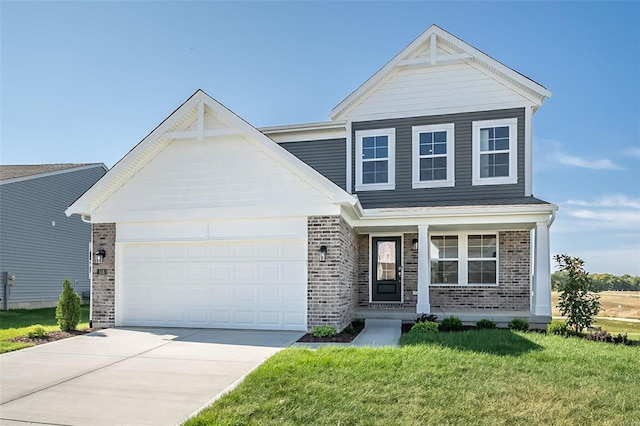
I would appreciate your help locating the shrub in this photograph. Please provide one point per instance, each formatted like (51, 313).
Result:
(424, 327)
(324, 330)
(485, 324)
(620, 338)
(37, 331)
(451, 324)
(68, 309)
(519, 324)
(426, 317)
(558, 328)
(577, 299)
(599, 336)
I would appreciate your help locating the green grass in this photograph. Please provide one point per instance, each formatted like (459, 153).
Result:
(17, 322)
(468, 378)
(614, 327)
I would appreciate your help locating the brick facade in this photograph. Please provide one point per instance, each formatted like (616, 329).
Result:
(103, 280)
(513, 292)
(331, 291)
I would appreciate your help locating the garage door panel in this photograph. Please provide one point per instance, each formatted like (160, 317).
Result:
(238, 284)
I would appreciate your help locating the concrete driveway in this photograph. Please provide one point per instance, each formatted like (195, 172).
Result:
(129, 376)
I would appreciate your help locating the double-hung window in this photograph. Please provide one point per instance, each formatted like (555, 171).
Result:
(433, 156)
(495, 152)
(464, 258)
(375, 159)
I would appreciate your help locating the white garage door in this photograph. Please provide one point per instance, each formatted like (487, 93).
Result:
(259, 284)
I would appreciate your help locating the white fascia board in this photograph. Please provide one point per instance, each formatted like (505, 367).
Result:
(306, 132)
(53, 173)
(460, 211)
(128, 165)
(304, 127)
(483, 57)
(328, 209)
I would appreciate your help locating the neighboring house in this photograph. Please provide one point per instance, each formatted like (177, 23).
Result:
(39, 244)
(415, 198)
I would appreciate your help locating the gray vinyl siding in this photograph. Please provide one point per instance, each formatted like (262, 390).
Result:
(326, 156)
(39, 254)
(405, 196)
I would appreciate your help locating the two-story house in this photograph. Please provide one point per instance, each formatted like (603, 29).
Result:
(416, 197)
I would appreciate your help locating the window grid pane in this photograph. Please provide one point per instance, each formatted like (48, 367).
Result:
(482, 254)
(433, 156)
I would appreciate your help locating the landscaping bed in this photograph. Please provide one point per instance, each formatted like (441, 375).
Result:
(51, 336)
(345, 336)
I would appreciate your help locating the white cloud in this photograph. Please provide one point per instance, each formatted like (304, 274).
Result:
(572, 160)
(619, 200)
(554, 153)
(632, 152)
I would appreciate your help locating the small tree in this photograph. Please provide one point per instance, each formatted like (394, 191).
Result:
(577, 299)
(68, 309)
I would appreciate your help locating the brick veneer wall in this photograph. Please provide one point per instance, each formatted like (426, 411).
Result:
(513, 291)
(103, 289)
(363, 270)
(410, 271)
(331, 291)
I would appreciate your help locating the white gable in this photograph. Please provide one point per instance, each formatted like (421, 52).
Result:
(205, 162)
(219, 177)
(439, 74)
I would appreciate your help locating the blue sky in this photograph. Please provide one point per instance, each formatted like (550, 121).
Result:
(85, 81)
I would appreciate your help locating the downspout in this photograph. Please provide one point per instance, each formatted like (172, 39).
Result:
(552, 218)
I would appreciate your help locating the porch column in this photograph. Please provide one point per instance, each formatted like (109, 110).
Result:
(542, 289)
(424, 270)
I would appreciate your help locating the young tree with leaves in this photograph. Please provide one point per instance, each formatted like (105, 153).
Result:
(68, 309)
(578, 300)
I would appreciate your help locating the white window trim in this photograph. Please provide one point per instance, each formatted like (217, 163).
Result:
(391, 160)
(512, 123)
(415, 163)
(463, 258)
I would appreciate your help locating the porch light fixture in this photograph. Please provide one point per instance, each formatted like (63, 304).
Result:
(415, 244)
(323, 253)
(99, 256)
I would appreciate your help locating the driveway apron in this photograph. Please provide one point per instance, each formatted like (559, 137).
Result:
(129, 376)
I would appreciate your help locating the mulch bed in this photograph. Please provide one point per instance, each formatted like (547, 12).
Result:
(52, 336)
(341, 337)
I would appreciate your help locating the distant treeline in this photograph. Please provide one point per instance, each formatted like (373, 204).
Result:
(601, 282)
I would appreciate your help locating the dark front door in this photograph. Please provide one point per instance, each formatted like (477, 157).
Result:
(386, 269)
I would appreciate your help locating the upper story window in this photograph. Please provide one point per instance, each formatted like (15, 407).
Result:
(495, 152)
(433, 156)
(375, 159)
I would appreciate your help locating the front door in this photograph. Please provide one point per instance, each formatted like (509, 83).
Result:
(386, 269)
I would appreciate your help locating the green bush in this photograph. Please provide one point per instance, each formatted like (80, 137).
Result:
(37, 331)
(424, 327)
(558, 328)
(519, 324)
(451, 324)
(578, 300)
(324, 330)
(68, 310)
(485, 324)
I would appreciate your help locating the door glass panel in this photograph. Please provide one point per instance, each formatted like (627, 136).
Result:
(386, 267)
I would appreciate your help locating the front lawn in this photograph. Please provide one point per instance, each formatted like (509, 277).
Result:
(17, 322)
(465, 378)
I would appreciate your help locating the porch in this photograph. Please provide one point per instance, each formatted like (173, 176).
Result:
(468, 317)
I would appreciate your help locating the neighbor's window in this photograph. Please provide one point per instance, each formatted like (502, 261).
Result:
(464, 258)
(433, 158)
(375, 159)
(495, 152)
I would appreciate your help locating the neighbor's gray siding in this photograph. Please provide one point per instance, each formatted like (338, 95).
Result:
(405, 196)
(329, 157)
(39, 254)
